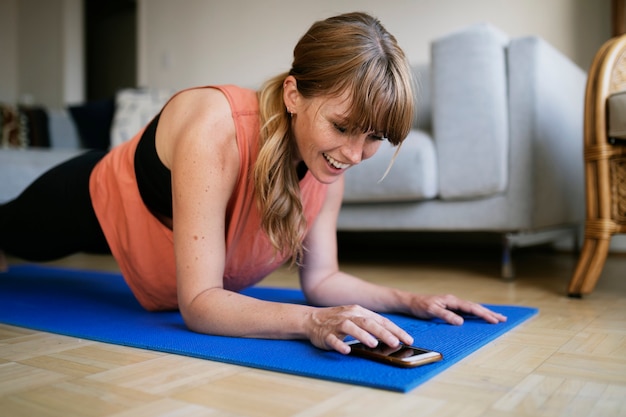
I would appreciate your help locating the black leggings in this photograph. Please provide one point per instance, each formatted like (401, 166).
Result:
(54, 216)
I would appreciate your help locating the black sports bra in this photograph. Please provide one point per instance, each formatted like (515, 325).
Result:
(154, 179)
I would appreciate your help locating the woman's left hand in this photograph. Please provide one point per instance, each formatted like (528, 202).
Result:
(450, 309)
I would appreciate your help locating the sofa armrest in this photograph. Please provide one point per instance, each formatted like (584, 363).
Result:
(546, 111)
(470, 119)
(423, 119)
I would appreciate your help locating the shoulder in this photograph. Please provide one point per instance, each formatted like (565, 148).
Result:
(197, 106)
(194, 119)
(241, 99)
(227, 98)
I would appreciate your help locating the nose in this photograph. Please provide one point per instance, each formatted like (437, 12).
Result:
(359, 148)
(353, 149)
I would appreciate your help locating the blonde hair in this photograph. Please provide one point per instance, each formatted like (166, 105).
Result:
(347, 53)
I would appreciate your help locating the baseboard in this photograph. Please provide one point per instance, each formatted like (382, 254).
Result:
(618, 244)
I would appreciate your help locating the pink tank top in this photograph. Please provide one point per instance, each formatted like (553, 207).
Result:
(143, 246)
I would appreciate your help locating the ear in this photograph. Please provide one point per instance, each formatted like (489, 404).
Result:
(291, 95)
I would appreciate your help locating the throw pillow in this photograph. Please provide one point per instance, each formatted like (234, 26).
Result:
(93, 122)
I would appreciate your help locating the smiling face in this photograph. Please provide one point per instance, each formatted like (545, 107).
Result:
(325, 142)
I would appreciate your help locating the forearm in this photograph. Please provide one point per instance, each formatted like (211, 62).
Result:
(344, 289)
(340, 289)
(226, 313)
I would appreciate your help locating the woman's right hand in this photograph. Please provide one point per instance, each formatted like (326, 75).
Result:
(327, 328)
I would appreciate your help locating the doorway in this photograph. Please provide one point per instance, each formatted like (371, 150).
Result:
(110, 47)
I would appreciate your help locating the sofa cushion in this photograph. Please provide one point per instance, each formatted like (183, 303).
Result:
(14, 127)
(93, 123)
(134, 108)
(617, 115)
(63, 133)
(24, 127)
(470, 122)
(412, 177)
(37, 126)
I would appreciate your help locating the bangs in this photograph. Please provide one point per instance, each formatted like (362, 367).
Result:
(382, 102)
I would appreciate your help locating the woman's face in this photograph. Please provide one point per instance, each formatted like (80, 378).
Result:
(323, 141)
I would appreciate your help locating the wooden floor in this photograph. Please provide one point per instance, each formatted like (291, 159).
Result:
(570, 360)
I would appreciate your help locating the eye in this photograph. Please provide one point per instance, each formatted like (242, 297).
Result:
(339, 128)
(377, 137)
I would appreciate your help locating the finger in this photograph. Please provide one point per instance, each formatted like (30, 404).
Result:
(335, 343)
(356, 328)
(490, 316)
(480, 311)
(447, 315)
(397, 333)
(384, 329)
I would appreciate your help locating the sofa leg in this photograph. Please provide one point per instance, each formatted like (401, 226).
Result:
(508, 272)
(4, 265)
(527, 238)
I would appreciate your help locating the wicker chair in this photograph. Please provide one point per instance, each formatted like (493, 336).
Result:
(605, 162)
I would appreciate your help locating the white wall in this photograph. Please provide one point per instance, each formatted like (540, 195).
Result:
(8, 47)
(191, 42)
(73, 53)
(40, 70)
(41, 42)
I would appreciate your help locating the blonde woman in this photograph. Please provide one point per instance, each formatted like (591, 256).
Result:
(226, 184)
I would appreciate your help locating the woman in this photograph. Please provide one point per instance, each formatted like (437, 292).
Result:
(225, 185)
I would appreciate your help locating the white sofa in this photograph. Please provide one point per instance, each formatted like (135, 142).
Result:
(496, 146)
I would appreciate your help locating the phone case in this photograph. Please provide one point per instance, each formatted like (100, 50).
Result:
(424, 357)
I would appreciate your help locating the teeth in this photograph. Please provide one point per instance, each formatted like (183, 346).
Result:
(335, 163)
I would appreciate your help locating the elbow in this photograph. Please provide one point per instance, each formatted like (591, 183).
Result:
(314, 296)
(197, 311)
(315, 290)
(193, 321)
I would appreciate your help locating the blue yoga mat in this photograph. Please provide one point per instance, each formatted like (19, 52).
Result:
(99, 306)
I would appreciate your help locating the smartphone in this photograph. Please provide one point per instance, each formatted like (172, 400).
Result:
(403, 355)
